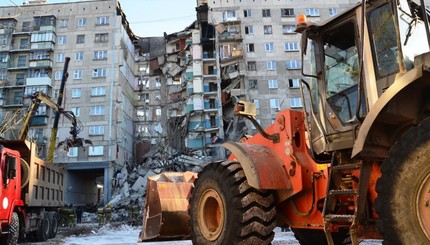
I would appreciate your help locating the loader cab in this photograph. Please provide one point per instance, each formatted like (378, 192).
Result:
(350, 68)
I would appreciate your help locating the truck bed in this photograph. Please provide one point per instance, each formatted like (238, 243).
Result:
(46, 181)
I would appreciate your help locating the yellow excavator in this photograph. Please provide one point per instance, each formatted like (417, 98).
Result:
(39, 97)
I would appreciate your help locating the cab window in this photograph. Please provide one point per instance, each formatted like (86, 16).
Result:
(341, 69)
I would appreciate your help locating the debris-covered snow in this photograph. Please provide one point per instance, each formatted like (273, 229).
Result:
(125, 234)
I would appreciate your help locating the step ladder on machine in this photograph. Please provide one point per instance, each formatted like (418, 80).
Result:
(346, 195)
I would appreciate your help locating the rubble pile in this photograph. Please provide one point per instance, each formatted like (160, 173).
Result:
(129, 183)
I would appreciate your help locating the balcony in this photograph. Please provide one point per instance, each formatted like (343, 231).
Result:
(230, 36)
(20, 48)
(38, 81)
(45, 28)
(13, 102)
(22, 31)
(18, 66)
(5, 45)
(40, 120)
(4, 65)
(211, 124)
(42, 46)
(230, 57)
(41, 64)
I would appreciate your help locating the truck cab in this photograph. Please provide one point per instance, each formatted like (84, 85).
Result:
(363, 70)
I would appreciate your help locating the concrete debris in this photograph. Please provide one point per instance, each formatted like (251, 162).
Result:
(89, 217)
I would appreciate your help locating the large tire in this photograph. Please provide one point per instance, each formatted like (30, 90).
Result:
(12, 237)
(53, 225)
(42, 233)
(317, 237)
(224, 209)
(402, 203)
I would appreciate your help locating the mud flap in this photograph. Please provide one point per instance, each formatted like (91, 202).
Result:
(166, 207)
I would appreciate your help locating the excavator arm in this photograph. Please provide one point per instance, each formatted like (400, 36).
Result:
(38, 98)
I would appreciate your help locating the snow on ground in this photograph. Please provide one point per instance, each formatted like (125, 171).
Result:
(128, 235)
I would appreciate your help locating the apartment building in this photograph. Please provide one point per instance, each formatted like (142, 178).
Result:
(259, 53)
(35, 40)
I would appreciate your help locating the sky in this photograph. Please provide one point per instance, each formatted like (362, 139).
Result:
(148, 18)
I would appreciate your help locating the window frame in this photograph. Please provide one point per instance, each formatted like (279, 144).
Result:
(268, 29)
(272, 84)
(265, 13)
(271, 65)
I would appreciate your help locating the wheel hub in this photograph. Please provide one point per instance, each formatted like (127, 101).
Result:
(423, 206)
(211, 214)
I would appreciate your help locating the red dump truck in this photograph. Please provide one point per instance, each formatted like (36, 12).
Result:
(31, 191)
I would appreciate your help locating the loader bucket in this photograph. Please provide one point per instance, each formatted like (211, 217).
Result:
(165, 216)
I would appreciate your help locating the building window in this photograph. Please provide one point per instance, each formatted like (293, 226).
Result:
(100, 55)
(76, 111)
(62, 40)
(265, 12)
(257, 104)
(95, 151)
(73, 152)
(79, 56)
(312, 12)
(144, 97)
(98, 91)
(252, 84)
(332, 11)
(80, 39)
(24, 43)
(64, 23)
(77, 74)
(97, 110)
(273, 83)
(229, 15)
(274, 103)
(20, 79)
(291, 47)
(96, 130)
(157, 82)
(247, 13)
(271, 65)
(58, 75)
(102, 20)
(249, 30)
(252, 66)
(269, 47)
(268, 29)
(250, 47)
(59, 58)
(82, 22)
(102, 38)
(22, 61)
(76, 93)
(296, 102)
(293, 64)
(100, 72)
(287, 12)
(293, 83)
(288, 29)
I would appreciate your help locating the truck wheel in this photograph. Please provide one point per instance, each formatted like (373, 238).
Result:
(53, 227)
(404, 189)
(42, 233)
(12, 237)
(225, 209)
(317, 237)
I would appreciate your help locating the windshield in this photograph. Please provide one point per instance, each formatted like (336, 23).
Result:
(342, 70)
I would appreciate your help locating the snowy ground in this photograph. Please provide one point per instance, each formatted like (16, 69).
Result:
(86, 234)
